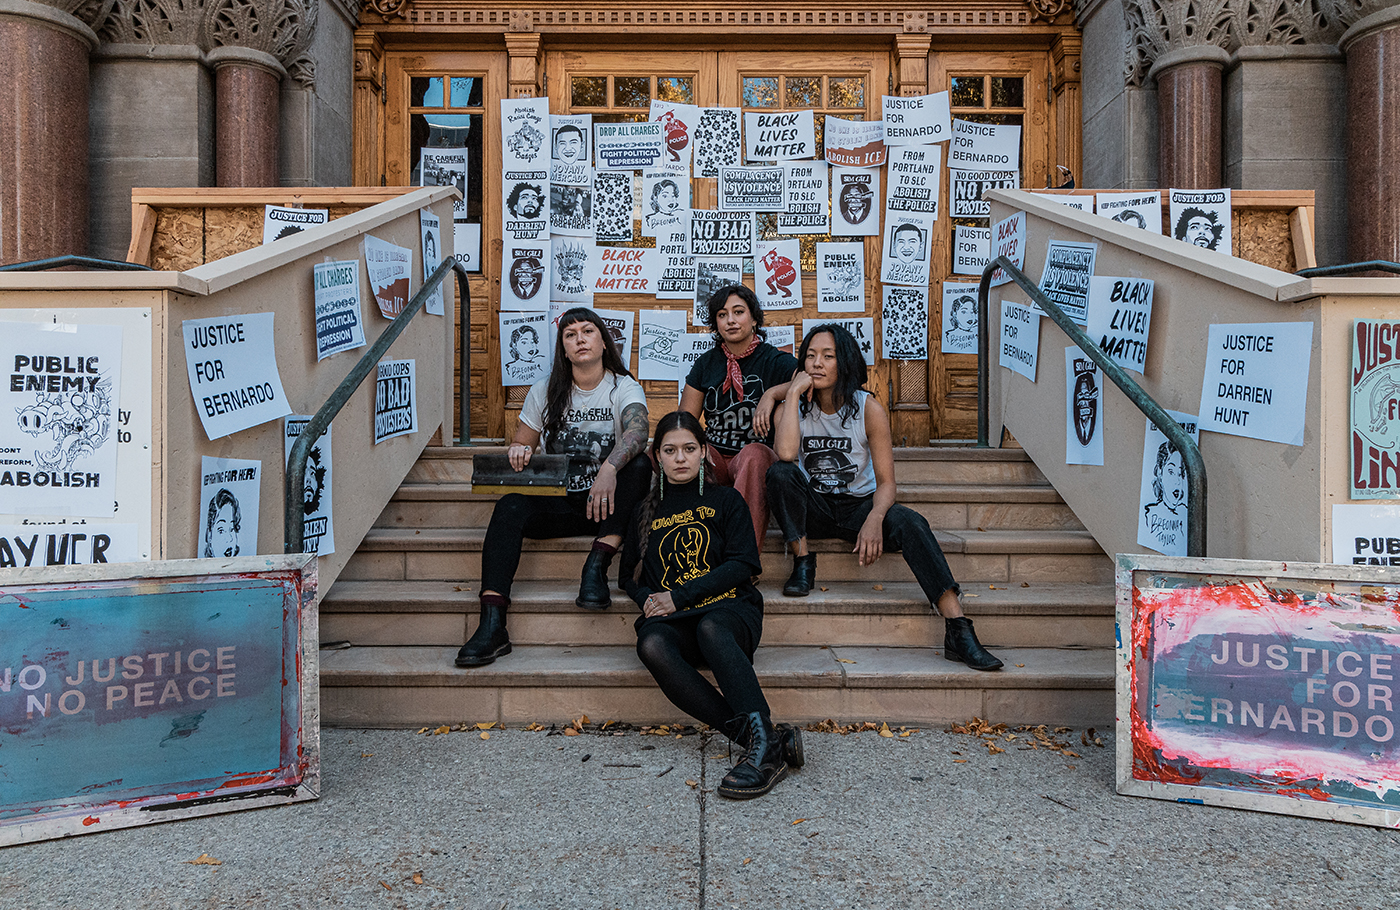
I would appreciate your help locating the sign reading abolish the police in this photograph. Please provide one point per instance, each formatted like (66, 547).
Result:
(395, 400)
(232, 367)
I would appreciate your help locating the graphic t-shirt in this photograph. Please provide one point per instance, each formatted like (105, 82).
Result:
(835, 457)
(591, 425)
(728, 421)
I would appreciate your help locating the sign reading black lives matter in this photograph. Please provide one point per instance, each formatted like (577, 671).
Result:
(317, 514)
(1065, 278)
(715, 233)
(58, 418)
(779, 135)
(1120, 315)
(338, 325)
(395, 400)
(232, 366)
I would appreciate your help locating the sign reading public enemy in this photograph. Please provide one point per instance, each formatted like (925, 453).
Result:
(232, 368)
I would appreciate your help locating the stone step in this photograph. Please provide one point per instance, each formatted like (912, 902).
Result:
(417, 686)
(442, 613)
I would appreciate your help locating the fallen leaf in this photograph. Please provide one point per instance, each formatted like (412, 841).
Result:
(570, 731)
(386, 886)
(905, 733)
(692, 784)
(747, 860)
(1025, 584)
(885, 731)
(441, 730)
(418, 878)
(486, 726)
(878, 587)
(366, 754)
(422, 731)
(799, 821)
(844, 660)
(959, 761)
(1020, 665)
(203, 859)
(826, 589)
(485, 735)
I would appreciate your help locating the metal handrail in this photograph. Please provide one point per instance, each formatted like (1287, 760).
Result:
(1190, 452)
(1374, 265)
(88, 262)
(292, 541)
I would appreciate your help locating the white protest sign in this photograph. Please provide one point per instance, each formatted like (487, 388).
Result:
(574, 270)
(752, 189)
(612, 207)
(626, 270)
(1083, 409)
(1256, 381)
(389, 267)
(1065, 278)
(446, 167)
(665, 202)
(908, 240)
(1366, 534)
(466, 244)
(711, 274)
(525, 276)
(959, 318)
(524, 359)
(1069, 200)
(854, 196)
(232, 368)
(912, 180)
(1162, 502)
(840, 277)
(777, 274)
(1139, 210)
(571, 208)
(57, 543)
(904, 324)
(678, 127)
(1009, 240)
(971, 246)
(916, 120)
(619, 326)
(229, 489)
(1020, 338)
(779, 135)
(854, 143)
(677, 276)
(1202, 218)
(570, 155)
(525, 205)
(628, 146)
(985, 147)
(690, 347)
(395, 400)
(431, 230)
(967, 190)
(717, 140)
(279, 222)
(525, 134)
(317, 511)
(658, 340)
(338, 326)
(715, 233)
(1120, 315)
(862, 328)
(806, 198)
(782, 337)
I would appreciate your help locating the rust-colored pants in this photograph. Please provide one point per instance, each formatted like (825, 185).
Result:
(746, 472)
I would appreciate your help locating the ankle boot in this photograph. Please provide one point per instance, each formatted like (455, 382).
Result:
(960, 643)
(790, 738)
(594, 592)
(804, 575)
(762, 765)
(490, 640)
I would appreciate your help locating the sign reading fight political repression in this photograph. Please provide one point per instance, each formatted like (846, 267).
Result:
(912, 180)
(395, 400)
(862, 329)
(628, 146)
(317, 509)
(916, 120)
(1065, 278)
(279, 222)
(715, 233)
(338, 326)
(854, 143)
(855, 194)
(779, 135)
(388, 267)
(1256, 381)
(232, 367)
(777, 274)
(1366, 534)
(1020, 338)
(1259, 685)
(752, 189)
(840, 277)
(904, 323)
(1120, 316)
(1162, 502)
(984, 147)
(971, 246)
(229, 493)
(806, 198)
(1375, 409)
(1083, 409)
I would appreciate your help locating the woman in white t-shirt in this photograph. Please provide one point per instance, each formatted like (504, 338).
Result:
(591, 409)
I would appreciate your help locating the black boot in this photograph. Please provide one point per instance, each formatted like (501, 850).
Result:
(762, 765)
(594, 592)
(960, 643)
(490, 640)
(804, 575)
(790, 737)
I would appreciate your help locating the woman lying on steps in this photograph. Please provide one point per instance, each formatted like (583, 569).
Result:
(836, 479)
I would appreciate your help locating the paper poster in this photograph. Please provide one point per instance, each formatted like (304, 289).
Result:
(1162, 509)
(571, 210)
(1065, 278)
(779, 135)
(665, 202)
(959, 318)
(985, 147)
(806, 198)
(689, 348)
(711, 275)
(395, 400)
(56, 542)
(279, 222)
(232, 367)
(1083, 409)
(628, 146)
(619, 326)
(658, 340)
(904, 324)
(854, 192)
(752, 189)
(1366, 534)
(862, 328)
(59, 418)
(446, 167)
(1009, 240)
(525, 134)
(912, 179)
(570, 158)
(714, 233)
(840, 277)
(1069, 200)
(557, 309)
(525, 201)
(338, 326)
(1020, 338)
(906, 258)
(971, 246)
(718, 142)
(317, 512)
(917, 120)
(228, 507)
(524, 357)
(431, 229)
(389, 267)
(678, 123)
(627, 270)
(1256, 381)
(1202, 218)
(1375, 409)
(854, 143)
(1139, 210)
(612, 207)
(968, 190)
(574, 270)
(466, 245)
(525, 276)
(1120, 315)
(777, 274)
(677, 281)
(782, 337)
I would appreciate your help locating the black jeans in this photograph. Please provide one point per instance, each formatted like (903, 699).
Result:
(518, 516)
(672, 650)
(803, 512)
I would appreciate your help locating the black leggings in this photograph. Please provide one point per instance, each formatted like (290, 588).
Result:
(717, 639)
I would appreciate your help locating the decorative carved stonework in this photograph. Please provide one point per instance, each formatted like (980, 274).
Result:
(153, 22)
(389, 9)
(1158, 26)
(1049, 10)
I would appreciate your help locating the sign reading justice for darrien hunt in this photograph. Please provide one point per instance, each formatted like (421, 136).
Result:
(232, 367)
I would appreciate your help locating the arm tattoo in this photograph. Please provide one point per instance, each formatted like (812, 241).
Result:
(634, 436)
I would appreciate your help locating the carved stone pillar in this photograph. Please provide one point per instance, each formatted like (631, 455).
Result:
(1372, 46)
(44, 128)
(523, 70)
(1190, 96)
(247, 97)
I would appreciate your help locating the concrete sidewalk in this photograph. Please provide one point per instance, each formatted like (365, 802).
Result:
(520, 820)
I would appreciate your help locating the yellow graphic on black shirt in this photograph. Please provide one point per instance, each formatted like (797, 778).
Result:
(685, 554)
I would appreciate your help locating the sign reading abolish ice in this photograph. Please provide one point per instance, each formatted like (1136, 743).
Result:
(1375, 409)
(338, 326)
(1256, 381)
(232, 367)
(395, 400)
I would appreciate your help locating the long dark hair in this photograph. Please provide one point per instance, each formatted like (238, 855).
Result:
(721, 296)
(850, 370)
(646, 510)
(561, 374)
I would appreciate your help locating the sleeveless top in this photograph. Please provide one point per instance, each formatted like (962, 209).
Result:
(835, 458)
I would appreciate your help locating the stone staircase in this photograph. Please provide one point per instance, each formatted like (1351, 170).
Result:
(863, 646)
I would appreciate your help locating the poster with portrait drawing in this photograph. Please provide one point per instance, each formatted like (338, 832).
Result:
(524, 357)
(431, 229)
(711, 274)
(317, 512)
(1162, 504)
(619, 326)
(525, 135)
(658, 342)
(612, 206)
(854, 192)
(718, 142)
(571, 210)
(678, 123)
(677, 278)
(1139, 210)
(904, 324)
(279, 221)
(228, 507)
(570, 157)
(777, 274)
(1083, 409)
(840, 277)
(1202, 218)
(907, 241)
(525, 203)
(525, 276)
(959, 318)
(573, 270)
(665, 202)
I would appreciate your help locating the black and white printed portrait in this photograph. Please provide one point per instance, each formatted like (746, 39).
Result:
(222, 524)
(831, 471)
(1086, 410)
(524, 349)
(962, 316)
(1168, 487)
(1199, 227)
(570, 145)
(571, 207)
(854, 202)
(908, 243)
(429, 247)
(313, 482)
(665, 203)
(1131, 219)
(526, 277)
(526, 201)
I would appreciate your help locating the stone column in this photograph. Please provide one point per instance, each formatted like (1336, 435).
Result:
(1372, 46)
(246, 98)
(43, 131)
(1189, 94)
